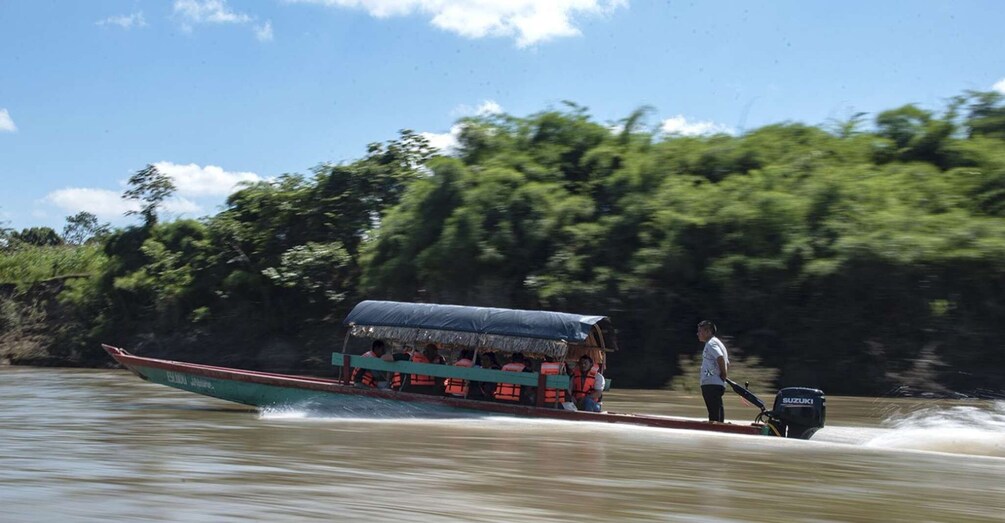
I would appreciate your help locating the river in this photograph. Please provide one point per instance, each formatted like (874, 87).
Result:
(102, 445)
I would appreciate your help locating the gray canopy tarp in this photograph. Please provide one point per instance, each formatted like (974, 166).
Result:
(508, 330)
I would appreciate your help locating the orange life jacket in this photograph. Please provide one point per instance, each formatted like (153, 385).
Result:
(364, 376)
(552, 395)
(509, 391)
(417, 379)
(457, 386)
(583, 385)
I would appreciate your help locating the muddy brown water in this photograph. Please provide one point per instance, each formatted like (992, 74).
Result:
(93, 445)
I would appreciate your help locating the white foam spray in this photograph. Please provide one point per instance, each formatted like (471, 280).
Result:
(957, 430)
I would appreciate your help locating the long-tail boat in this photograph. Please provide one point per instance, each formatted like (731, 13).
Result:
(797, 412)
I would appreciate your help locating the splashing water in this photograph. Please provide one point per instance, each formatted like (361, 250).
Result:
(956, 430)
(371, 409)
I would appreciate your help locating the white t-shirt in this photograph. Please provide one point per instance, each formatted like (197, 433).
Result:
(709, 368)
(598, 384)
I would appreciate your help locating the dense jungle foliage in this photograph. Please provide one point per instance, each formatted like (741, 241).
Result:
(855, 257)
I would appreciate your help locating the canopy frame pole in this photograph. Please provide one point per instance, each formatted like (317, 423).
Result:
(539, 400)
(474, 358)
(344, 369)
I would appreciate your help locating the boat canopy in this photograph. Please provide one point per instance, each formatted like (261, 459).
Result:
(505, 330)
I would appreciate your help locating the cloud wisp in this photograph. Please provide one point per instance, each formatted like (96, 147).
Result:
(999, 86)
(263, 32)
(211, 180)
(125, 21)
(6, 122)
(216, 12)
(447, 142)
(529, 22)
(681, 126)
(196, 186)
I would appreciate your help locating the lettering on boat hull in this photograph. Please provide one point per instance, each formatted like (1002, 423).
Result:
(193, 381)
(176, 378)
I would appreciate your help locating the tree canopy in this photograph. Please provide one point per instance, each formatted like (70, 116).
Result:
(850, 258)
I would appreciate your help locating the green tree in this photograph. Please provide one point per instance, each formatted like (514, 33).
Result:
(38, 236)
(987, 114)
(151, 188)
(83, 227)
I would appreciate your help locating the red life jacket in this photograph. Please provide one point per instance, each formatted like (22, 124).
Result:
(457, 386)
(364, 376)
(552, 395)
(583, 385)
(509, 391)
(417, 379)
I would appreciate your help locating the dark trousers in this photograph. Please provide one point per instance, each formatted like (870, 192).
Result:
(713, 401)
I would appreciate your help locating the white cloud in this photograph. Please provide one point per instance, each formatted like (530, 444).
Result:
(182, 206)
(445, 142)
(680, 125)
(529, 21)
(125, 21)
(264, 32)
(999, 86)
(110, 205)
(191, 181)
(209, 12)
(102, 203)
(488, 107)
(195, 181)
(6, 123)
(195, 12)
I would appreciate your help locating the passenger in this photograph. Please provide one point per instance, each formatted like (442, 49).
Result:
(481, 389)
(397, 380)
(433, 355)
(510, 391)
(587, 385)
(550, 367)
(418, 383)
(365, 377)
(456, 386)
(421, 383)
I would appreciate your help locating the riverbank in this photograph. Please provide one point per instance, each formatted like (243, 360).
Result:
(38, 329)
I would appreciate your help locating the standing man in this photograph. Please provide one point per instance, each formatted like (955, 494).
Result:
(714, 367)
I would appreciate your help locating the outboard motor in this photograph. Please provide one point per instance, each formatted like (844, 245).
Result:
(798, 412)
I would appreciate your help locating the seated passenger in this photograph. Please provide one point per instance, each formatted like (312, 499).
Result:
(587, 385)
(397, 380)
(365, 377)
(480, 389)
(510, 391)
(433, 355)
(550, 367)
(456, 386)
(420, 383)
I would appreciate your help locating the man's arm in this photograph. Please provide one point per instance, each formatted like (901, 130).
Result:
(722, 367)
(598, 387)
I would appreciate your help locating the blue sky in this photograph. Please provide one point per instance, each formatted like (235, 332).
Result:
(216, 92)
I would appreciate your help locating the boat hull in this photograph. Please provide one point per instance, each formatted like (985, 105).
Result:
(269, 390)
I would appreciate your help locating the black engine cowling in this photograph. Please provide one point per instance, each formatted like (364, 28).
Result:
(798, 412)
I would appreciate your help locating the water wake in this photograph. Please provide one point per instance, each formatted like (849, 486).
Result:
(371, 409)
(956, 430)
